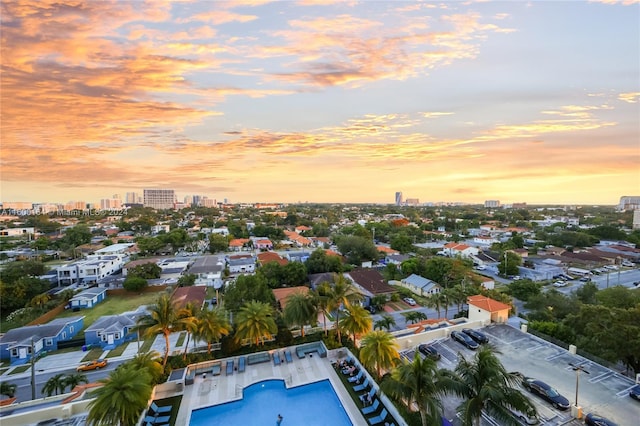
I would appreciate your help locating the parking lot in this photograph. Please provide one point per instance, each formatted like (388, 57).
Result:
(601, 390)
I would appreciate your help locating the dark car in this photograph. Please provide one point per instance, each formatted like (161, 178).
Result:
(460, 337)
(476, 335)
(545, 391)
(429, 352)
(596, 420)
(634, 392)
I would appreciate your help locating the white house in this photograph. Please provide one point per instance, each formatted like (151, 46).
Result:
(485, 240)
(89, 271)
(420, 285)
(459, 249)
(486, 309)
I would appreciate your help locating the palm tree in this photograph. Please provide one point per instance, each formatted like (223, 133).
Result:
(445, 300)
(8, 389)
(434, 301)
(300, 310)
(73, 380)
(122, 397)
(212, 325)
(356, 321)
(386, 322)
(151, 362)
(322, 297)
(414, 316)
(189, 312)
(40, 300)
(164, 318)
(342, 294)
(422, 384)
(485, 385)
(55, 385)
(255, 322)
(379, 350)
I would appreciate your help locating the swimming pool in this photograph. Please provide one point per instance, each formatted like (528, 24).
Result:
(312, 404)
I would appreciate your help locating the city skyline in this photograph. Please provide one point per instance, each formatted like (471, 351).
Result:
(322, 101)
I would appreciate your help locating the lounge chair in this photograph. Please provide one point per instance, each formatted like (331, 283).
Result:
(372, 408)
(372, 392)
(160, 410)
(378, 419)
(229, 367)
(241, 364)
(287, 356)
(276, 358)
(356, 378)
(362, 386)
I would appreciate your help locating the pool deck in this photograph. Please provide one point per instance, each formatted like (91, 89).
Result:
(212, 390)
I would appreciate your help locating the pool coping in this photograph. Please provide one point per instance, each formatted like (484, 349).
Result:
(208, 390)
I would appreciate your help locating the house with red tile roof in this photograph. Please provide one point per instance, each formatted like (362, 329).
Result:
(486, 309)
(238, 244)
(302, 228)
(387, 250)
(282, 294)
(297, 239)
(271, 256)
(263, 244)
(459, 249)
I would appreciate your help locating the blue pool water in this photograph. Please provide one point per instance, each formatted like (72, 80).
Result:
(308, 405)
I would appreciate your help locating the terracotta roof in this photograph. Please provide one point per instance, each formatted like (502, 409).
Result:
(487, 303)
(238, 242)
(386, 249)
(193, 294)
(282, 294)
(270, 256)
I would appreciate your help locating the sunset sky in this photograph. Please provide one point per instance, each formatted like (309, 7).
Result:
(321, 101)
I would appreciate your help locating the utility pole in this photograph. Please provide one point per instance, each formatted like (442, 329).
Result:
(33, 371)
(577, 369)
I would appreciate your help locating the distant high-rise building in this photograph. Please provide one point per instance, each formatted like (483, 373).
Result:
(398, 198)
(492, 203)
(160, 199)
(132, 198)
(629, 203)
(412, 201)
(17, 205)
(636, 219)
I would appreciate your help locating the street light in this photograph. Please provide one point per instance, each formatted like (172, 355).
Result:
(577, 369)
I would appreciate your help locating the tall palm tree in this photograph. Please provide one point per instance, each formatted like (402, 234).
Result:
(421, 384)
(151, 362)
(413, 317)
(40, 300)
(379, 350)
(54, 385)
(189, 312)
(300, 310)
(445, 300)
(386, 322)
(255, 322)
(212, 325)
(72, 380)
(121, 399)
(485, 385)
(8, 389)
(342, 294)
(356, 321)
(322, 298)
(434, 301)
(164, 318)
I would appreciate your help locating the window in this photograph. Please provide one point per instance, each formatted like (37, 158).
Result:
(64, 335)
(117, 336)
(48, 342)
(14, 352)
(71, 329)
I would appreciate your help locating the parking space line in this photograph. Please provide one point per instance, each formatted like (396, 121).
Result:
(535, 348)
(552, 357)
(624, 392)
(602, 376)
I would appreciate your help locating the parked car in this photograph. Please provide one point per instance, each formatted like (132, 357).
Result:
(481, 267)
(592, 419)
(560, 284)
(429, 352)
(371, 309)
(546, 392)
(410, 301)
(462, 338)
(634, 392)
(476, 335)
(525, 418)
(96, 364)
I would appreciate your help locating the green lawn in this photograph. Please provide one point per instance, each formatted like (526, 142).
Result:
(113, 305)
(20, 369)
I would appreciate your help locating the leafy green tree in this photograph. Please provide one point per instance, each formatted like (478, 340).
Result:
(55, 385)
(510, 264)
(402, 242)
(385, 323)
(76, 236)
(486, 386)
(618, 297)
(149, 245)
(40, 300)
(378, 351)
(357, 249)
(247, 288)
(378, 301)
(19, 293)
(187, 280)
(121, 399)
(587, 293)
(14, 271)
(134, 284)
(218, 243)
(356, 321)
(420, 383)
(212, 326)
(255, 323)
(148, 271)
(164, 318)
(524, 289)
(293, 274)
(320, 262)
(300, 310)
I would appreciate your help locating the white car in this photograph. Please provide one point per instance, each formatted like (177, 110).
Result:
(410, 301)
(560, 284)
(481, 267)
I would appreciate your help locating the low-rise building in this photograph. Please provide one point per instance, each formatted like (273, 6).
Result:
(88, 298)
